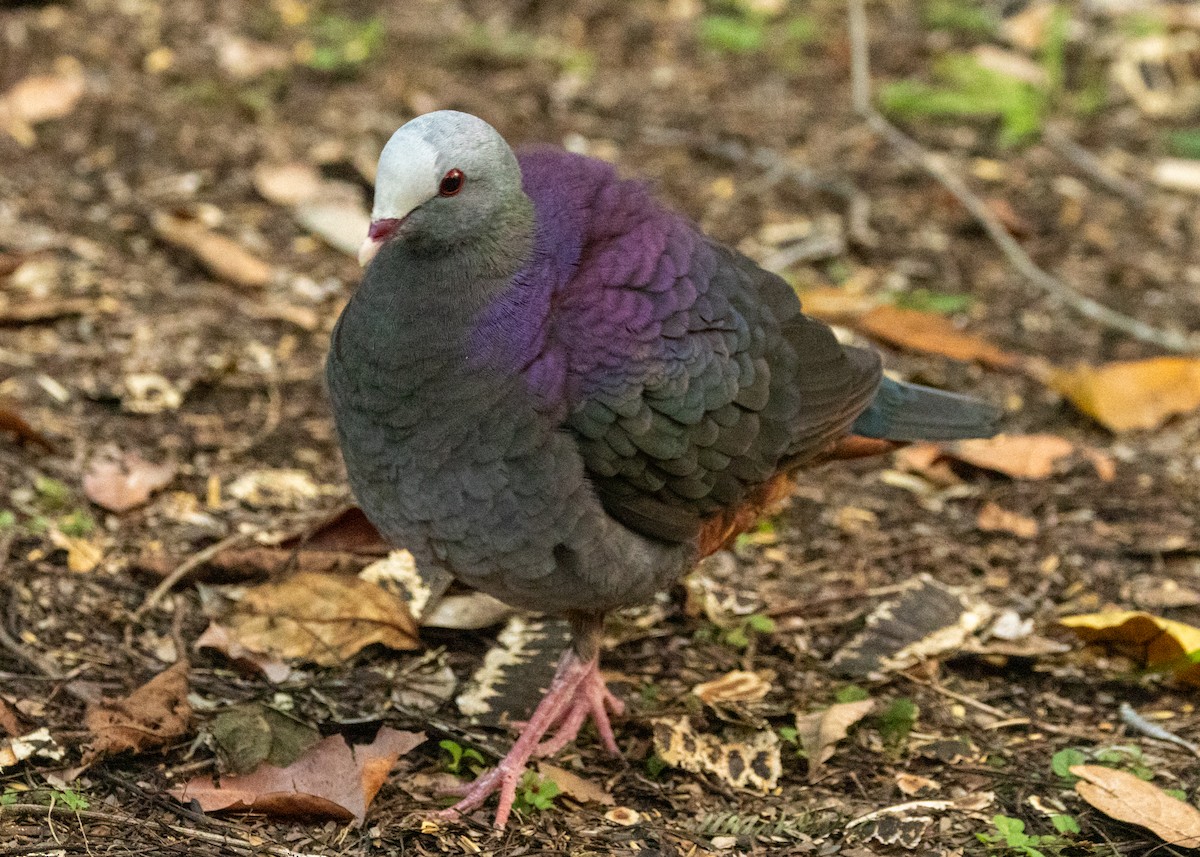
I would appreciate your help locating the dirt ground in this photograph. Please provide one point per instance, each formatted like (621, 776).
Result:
(170, 124)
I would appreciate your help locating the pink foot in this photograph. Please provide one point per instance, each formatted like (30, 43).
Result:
(576, 691)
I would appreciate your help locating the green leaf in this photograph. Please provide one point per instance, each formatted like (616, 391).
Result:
(897, 720)
(732, 35)
(964, 16)
(926, 301)
(52, 494)
(536, 793)
(7, 519)
(1062, 762)
(1185, 143)
(77, 524)
(1178, 794)
(1065, 823)
(760, 623)
(788, 733)
(72, 799)
(655, 765)
(851, 693)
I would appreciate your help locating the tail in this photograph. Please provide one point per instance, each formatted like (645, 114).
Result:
(904, 412)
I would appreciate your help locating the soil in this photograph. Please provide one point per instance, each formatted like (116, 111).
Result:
(164, 126)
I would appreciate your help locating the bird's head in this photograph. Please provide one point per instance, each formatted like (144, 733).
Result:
(446, 180)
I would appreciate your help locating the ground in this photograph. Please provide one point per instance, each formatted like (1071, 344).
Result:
(166, 126)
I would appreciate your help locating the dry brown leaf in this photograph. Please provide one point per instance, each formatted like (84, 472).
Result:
(82, 555)
(220, 255)
(122, 482)
(217, 637)
(149, 717)
(820, 731)
(1138, 394)
(932, 334)
(39, 742)
(1153, 641)
(14, 423)
(332, 780)
(1127, 798)
(993, 518)
(912, 784)
(575, 786)
(1021, 456)
(320, 618)
(287, 184)
(837, 305)
(338, 217)
(40, 98)
(735, 686)
(9, 724)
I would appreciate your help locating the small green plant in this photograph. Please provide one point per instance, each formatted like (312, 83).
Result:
(535, 793)
(9, 798)
(342, 45)
(77, 524)
(52, 495)
(655, 765)
(851, 693)
(938, 302)
(457, 756)
(1062, 762)
(1010, 836)
(960, 16)
(72, 799)
(7, 519)
(1185, 143)
(896, 721)
(740, 635)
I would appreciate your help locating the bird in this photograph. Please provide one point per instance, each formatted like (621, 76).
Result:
(561, 391)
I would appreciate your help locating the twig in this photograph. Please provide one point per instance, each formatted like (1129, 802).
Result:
(1056, 138)
(960, 697)
(183, 570)
(1135, 721)
(978, 209)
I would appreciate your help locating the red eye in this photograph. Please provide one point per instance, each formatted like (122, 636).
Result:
(452, 183)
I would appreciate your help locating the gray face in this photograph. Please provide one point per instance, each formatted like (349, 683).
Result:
(412, 203)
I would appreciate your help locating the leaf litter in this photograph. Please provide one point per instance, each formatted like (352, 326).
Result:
(1128, 798)
(332, 779)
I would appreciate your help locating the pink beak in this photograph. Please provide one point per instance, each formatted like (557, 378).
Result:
(380, 231)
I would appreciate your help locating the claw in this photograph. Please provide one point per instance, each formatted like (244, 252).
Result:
(576, 692)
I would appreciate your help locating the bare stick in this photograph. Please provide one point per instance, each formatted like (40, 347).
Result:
(185, 568)
(977, 208)
(1083, 160)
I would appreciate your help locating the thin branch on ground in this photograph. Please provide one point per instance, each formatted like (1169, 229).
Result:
(1091, 166)
(978, 209)
(183, 570)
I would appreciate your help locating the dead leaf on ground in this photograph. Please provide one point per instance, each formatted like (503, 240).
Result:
(152, 715)
(338, 216)
(1154, 642)
(575, 786)
(281, 488)
(837, 305)
(219, 638)
(83, 555)
(735, 686)
(751, 759)
(820, 731)
(41, 98)
(13, 423)
(1020, 456)
(123, 481)
(321, 618)
(9, 724)
(913, 784)
(996, 519)
(932, 334)
(37, 743)
(926, 620)
(1127, 798)
(331, 780)
(1129, 395)
(287, 184)
(223, 257)
(248, 735)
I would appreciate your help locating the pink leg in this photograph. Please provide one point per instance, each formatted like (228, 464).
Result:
(576, 691)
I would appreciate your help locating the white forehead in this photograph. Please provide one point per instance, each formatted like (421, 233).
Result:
(407, 176)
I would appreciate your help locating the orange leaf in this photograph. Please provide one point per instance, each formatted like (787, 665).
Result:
(1127, 798)
(331, 780)
(932, 334)
(1136, 394)
(1021, 456)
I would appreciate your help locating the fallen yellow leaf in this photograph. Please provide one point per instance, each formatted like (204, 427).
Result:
(820, 731)
(1155, 642)
(1127, 798)
(1138, 394)
(321, 618)
(932, 334)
